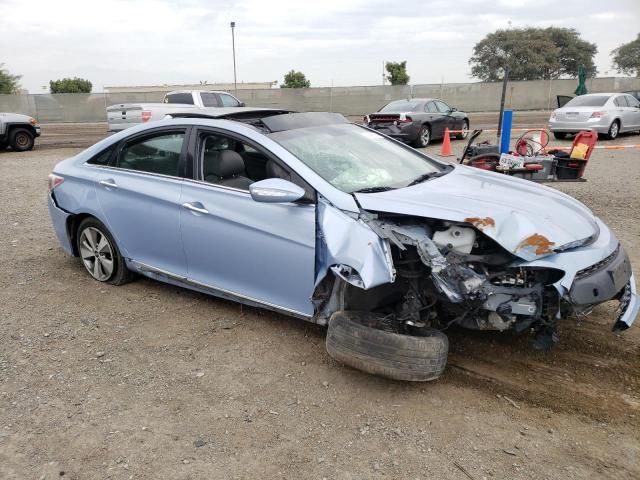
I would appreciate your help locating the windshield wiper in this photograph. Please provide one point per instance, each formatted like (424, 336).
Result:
(428, 176)
(423, 178)
(373, 189)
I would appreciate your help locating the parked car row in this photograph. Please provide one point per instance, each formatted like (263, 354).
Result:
(335, 223)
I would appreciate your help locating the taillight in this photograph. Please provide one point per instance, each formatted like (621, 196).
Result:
(598, 114)
(405, 120)
(54, 180)
(366, 119)
(146, 116)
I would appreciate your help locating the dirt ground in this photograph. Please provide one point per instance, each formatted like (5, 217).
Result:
(150, 381)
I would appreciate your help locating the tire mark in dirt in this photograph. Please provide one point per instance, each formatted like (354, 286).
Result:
(591, 372)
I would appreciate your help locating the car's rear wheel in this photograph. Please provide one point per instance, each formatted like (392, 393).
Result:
(360, 340)
(21, 139)
(465, 131)
(560, 135)
(99, 253)
(614, 130)
(424, 137)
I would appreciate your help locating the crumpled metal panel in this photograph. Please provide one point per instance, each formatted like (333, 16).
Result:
(345, 241)
(527, 219)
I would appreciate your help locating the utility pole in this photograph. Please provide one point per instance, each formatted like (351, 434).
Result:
(233, 43)
(383, 73)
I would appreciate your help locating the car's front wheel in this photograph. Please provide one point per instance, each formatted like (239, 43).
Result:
(99, 253)
(21, 139)
(560, 135)
(359, 339)
(424, 137)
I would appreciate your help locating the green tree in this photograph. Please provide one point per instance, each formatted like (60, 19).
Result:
(397, 73)
(295, 79)
(532, 54)
(8, 83)
(626, 58)
(70, 85)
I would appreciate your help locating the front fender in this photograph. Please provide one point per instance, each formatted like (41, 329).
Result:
(349, 246)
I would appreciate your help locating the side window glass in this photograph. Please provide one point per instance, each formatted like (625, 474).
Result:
(223, 162)
(228, 100)
(158, 154)
(443, 107)
(209, 99)
(103, 157)
(632, 101)
(431, 107)
(619, 102)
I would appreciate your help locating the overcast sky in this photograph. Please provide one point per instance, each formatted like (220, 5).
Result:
(149, 42)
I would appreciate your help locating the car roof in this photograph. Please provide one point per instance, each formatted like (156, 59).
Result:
(414, 100)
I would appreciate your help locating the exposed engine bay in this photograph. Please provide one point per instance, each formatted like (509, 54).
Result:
(449, 273)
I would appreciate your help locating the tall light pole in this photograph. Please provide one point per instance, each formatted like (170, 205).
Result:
(233, 43)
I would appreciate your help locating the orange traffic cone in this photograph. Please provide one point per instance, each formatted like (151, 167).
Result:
(445, 151)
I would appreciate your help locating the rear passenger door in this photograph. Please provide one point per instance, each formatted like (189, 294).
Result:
(436, 119)
(139, 195)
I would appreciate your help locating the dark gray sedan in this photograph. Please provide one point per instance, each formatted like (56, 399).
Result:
(418, 121)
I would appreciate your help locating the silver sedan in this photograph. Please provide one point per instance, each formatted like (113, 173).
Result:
(609, 114)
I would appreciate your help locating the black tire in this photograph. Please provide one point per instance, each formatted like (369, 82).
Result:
(614, 130)
(424, 137)
(120, 274)
(353, 341)
(465, 130)
(560, 135)
(21, 139)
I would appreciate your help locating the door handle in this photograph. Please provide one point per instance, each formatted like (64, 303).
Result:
(193, 208)
(109, 183)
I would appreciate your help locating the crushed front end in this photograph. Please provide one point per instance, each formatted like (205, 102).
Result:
(450, 273)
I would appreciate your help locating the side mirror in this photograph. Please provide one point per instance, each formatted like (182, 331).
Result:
(242, 104)
(275, 190)
(454, 109)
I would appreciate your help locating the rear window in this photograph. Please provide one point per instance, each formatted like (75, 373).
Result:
(400, 106)
(185, 98)
(591, 101)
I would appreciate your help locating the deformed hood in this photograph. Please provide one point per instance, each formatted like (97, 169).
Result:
(527, 219)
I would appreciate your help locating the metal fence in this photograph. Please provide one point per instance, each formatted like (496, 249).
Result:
(471, 97)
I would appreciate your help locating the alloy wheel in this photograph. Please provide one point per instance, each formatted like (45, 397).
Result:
(96, 253)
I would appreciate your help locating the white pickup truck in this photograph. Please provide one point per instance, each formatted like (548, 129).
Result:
(125, 115)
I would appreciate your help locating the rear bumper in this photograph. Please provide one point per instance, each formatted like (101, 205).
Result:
(405, 132)
(600, 125)
(59, 219)
(118, 127)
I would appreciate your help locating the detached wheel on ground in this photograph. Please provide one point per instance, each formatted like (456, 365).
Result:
(99, 253)
(356, 339)
(21, 139)
(465, 131)
(560, 135)
(424, 137)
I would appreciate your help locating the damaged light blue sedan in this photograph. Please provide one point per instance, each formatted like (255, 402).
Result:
(315, 217)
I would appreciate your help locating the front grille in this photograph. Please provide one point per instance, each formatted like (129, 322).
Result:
(597, 266)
